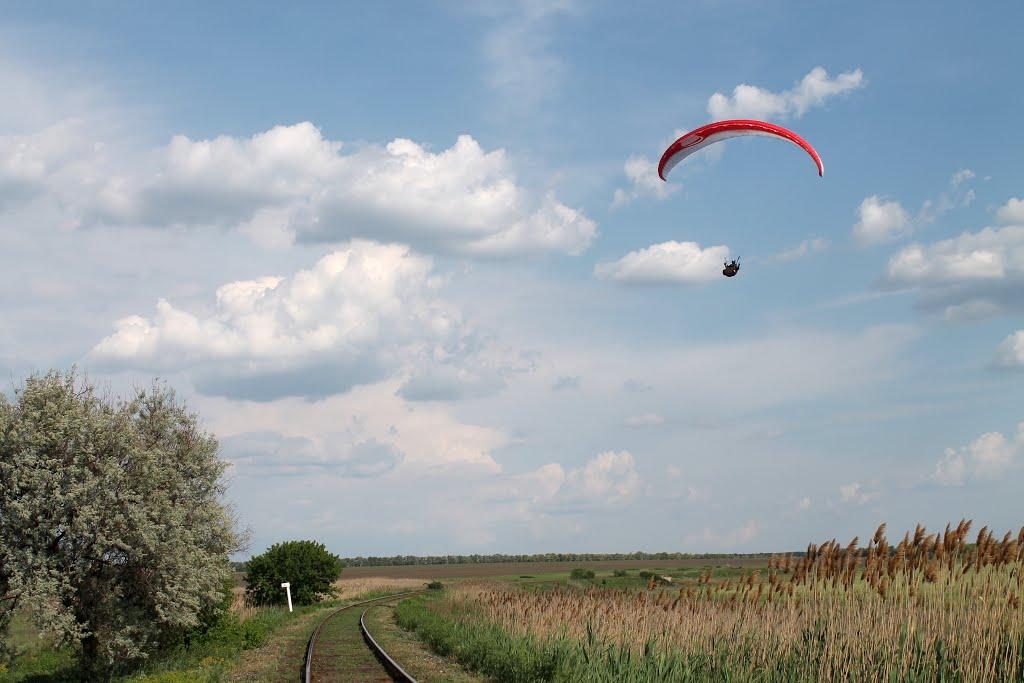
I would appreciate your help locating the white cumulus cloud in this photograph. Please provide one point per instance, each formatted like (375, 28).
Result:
(355, 317)
(643, 182)
(334, 434)
(1010, 353)
(666, 263)
(609, 478)
(986, 457)
(973, 275)
(290, 183)
(856, 493)
(979, 256)
(881, 221)
(750, 101)
(1011, 212)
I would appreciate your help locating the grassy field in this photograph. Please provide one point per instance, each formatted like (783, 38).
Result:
(37, 658)
(413, 655)
(515, 569)
(931, 608)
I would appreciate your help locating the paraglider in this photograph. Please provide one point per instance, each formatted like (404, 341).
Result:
(711, 133)
(700, 138)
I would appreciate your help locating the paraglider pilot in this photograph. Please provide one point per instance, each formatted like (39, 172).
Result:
(731, 268)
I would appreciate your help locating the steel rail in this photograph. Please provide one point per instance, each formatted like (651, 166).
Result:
(397, 673)
(308, 666)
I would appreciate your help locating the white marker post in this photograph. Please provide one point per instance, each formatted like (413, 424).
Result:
(288, 587)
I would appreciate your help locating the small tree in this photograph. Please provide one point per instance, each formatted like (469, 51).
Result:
(581, 574)
(111, 518)
(305, 564)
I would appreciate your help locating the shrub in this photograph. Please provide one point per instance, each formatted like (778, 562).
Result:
(644, 574)
(620, 572)
(435, 585)
(305, 564)
(580, 574)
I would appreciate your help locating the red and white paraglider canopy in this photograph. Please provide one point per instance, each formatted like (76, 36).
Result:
(723, 130)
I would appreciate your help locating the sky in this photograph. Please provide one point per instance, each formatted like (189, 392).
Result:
(414, 267)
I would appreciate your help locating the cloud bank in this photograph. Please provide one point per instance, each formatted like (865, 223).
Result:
(356, 317)
(291, 184)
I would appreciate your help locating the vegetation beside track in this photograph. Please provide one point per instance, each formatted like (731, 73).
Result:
(932, 607)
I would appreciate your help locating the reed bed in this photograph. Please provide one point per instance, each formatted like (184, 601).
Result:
(373, 585)
(932, 607)
(240, 605)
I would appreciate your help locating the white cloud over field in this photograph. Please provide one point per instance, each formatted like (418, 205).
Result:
(290, 183)
(987, 457)
(359, 315)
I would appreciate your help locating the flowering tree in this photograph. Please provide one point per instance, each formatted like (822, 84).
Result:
(112, 525)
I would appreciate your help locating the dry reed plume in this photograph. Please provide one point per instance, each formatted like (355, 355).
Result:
(352, 588)
(931, 607)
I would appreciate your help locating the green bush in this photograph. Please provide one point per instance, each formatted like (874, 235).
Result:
(305, 564)
(620, 572)
(646, 574)
(435, 585)
(580, 574)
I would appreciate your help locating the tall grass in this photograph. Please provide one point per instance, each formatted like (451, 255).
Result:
(375, 585)
(932, 607)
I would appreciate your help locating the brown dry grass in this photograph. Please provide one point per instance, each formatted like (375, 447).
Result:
(346, 589)
(240, 606)
(372, 585)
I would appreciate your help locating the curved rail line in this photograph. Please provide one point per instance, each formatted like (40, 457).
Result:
(375, 648)
(397, 672)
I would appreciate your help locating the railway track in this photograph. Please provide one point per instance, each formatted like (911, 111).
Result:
(342, 639)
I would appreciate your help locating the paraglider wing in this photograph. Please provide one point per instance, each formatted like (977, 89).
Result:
(723, 130)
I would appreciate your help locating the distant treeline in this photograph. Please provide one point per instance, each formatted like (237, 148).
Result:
(545, 557)
(241, 566)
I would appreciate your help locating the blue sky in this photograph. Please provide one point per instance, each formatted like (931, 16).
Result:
(414, 267)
